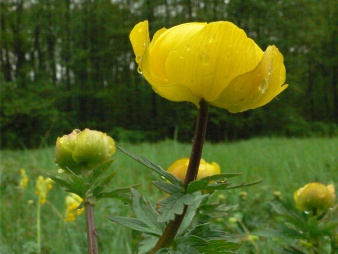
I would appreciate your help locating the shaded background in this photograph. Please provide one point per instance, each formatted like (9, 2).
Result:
(68, 64)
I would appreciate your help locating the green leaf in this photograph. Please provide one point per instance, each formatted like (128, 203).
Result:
(123, 193)
(174, 204)
(147, 243)
(190, 214)
(134, 224)
(191, 240)
(168, 187)
(145, 212)
(156, 168)
(216, 182)
(219, 246)
(204, 231)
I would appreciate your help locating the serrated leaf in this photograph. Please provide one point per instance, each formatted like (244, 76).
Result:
(168, 187)
(120, 193)
(101, 169)
(133, 223)
(147, 243)
(228, 186)
(190, 214)
(174, 204)
(191, 240)
(216, 210)
(156, 168)
(206, 232)
(220, 246)
(144, 211)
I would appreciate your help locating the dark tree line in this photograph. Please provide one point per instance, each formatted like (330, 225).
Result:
(69, 64)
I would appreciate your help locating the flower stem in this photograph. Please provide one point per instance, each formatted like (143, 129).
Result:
(195, 157)
(38, 226)
(90, 224)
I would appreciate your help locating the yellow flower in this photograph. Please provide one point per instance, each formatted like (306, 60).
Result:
(216, 62)
(72, 202)
(87, 148)
(43, 186)
(314, 196)
(23, 182)
(179, 169)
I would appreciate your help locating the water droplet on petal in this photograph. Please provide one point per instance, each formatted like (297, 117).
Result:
(138, 59)
(187, 47)
(204, 58)
(76, 131)
(263, 87)
(139, 70)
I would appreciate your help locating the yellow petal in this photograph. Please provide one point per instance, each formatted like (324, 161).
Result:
(206, 62)
(257, 87)
(139, 38)
(153, 62)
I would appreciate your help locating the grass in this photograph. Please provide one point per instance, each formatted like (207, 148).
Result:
(285, 165)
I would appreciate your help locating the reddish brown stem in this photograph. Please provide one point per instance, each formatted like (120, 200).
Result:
(173, 226)
(90, 224)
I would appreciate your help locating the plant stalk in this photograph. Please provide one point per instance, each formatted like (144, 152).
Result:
(173, 226)
(90, 225)
(38, 225)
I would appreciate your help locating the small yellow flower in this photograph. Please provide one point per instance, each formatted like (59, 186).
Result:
(216, 62)
(72, 202)
(179, 169)
(314, 196)
(43, 186)
(23, 182)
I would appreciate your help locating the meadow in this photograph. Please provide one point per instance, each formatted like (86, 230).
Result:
(284, 164)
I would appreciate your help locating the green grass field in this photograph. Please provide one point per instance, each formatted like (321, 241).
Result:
(284, 164)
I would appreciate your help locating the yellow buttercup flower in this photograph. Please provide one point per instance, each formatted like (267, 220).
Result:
(315, 196)
(23, 182)
(72, 202)
(216, 62)
(43, 186)
(179, 169)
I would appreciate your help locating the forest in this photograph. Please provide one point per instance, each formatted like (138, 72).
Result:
(69, 64)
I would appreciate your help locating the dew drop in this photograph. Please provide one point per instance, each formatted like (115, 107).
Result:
(76, 131)
(263, 87)
(187, 47)
(204, 58)
(138, 59)
(139, 70)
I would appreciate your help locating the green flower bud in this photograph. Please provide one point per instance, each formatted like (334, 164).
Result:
(93, 147)
(64, 149)
(314, 196)
(86, 149)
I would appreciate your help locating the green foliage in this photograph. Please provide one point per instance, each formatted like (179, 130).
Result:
(62, 62)
(285, 164)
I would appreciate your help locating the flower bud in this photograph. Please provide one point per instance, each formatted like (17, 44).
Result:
(88, 149)
(314, 196)
(179, 169)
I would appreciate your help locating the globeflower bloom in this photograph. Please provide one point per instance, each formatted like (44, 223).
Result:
(43, 186)
(73, 202)
(179, 169)
(83, 149)
(216, 62)
(314, 196)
